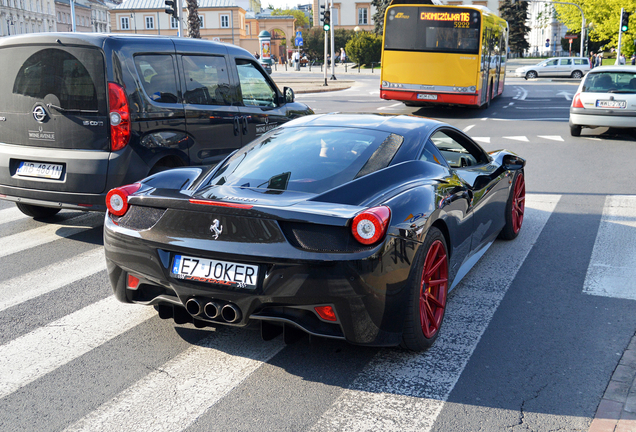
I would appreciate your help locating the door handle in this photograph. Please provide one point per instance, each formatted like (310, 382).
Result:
(236, 125)
(245, 125)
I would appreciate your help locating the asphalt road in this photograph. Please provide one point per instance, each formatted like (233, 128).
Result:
(531, 337)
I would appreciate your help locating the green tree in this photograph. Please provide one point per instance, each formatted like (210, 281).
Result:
(341, 38)
(364, 48)
(378, 16)
(314, 42)
(516, 14)
(603, 18)
(300, 19)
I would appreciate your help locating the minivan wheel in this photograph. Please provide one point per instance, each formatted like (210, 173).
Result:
(37, 211)
(577, 74)
(575, 130)
(531, 75)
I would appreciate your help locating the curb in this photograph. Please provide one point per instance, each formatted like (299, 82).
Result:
(617, 410)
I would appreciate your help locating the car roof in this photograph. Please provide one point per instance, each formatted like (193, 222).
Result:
(400, 124)
(614, 68)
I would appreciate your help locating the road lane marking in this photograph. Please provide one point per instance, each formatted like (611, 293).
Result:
(389, 106)
(542, 108)
(612, 268)
(29, 357)
(565, 94)
(482, 139)
(517, 138)
(467, 128)
(400, 391)
(533, 119)
(45, 234)
(11, 215)
(31, 285)
(180, 391)
(551, 137)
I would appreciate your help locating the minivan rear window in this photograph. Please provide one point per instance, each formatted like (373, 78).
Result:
(71, 78)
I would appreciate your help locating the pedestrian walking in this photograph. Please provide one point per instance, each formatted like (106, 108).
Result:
(592, 59)
(296, 60)
(621, 60)
(599, 59)
(343, 56)
(634, 59)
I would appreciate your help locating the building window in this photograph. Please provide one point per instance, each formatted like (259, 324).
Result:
(59, 18)
(225, 21)
(334, 16)
(150, 23)
(247, 30)
(201, 21)
(481, 3)
(363, 16)
(125, 23)
(174, 23)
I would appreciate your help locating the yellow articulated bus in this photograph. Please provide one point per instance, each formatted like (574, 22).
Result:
(446, 55)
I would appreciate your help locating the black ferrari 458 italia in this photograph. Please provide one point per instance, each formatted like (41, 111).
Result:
(346, 226)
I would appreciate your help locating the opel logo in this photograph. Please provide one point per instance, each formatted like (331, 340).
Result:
(39, 114)
(216, 228)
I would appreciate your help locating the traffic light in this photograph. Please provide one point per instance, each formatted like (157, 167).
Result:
(322, 15)
(171, 9)
(625, 21)
(327, 24)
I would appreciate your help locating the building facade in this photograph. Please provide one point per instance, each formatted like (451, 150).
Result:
(26, 16)
(221, 20)
(347, 14)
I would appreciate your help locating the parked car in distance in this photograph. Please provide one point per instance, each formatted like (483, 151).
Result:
(605, 98)
(573, 67)
(346, 226)
(81, 113)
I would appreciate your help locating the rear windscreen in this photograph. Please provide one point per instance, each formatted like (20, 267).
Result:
(610, 82)
(71, 78)
(308, 159)
(432, 29)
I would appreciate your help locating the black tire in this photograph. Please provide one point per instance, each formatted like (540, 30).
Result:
(531, 75)
(575, 130)
(37, 212)
(413, 337)
(510, 231)
(577, 74)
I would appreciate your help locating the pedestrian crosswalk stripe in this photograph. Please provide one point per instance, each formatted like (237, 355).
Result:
(11, 215)
(517, 138)
(482, 139)
(551, 137)
(26, 287)
(29, 357)
(400, 391)
(612, 268)
(48, 233)
(181, 390)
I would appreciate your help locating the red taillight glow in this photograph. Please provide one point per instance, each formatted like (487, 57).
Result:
(133, 282)
(326, 312)
(221, 204)
(119, 115)
(576, 101)
(117, 199)
(370, 226)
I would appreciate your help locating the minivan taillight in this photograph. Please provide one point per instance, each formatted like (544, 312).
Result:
(576, 101)
(119, 115)
(370, 226)
(117, 199)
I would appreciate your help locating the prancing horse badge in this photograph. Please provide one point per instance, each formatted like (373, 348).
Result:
(216, 228)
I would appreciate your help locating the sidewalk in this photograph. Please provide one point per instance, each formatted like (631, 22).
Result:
(313, 81)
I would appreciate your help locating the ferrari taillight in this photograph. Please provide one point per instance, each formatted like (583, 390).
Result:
(370, 226)
(119, 115)
(117, 199)
(576, 101)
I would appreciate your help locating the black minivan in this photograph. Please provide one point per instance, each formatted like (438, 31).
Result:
(83, 113)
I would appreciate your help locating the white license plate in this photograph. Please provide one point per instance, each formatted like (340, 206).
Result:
(611, 104)
(40, 169)
(427, 96)
(215, 272)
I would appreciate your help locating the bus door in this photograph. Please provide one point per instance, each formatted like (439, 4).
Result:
(485, 65)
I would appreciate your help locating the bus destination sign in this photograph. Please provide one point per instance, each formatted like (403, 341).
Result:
(445, 16)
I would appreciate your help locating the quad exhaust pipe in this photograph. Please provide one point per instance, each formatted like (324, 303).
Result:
(228, 312)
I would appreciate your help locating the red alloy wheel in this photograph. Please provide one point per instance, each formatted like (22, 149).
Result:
(518, 203)
(433, 289)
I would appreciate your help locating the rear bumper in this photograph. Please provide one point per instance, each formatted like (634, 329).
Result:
(442, 98)
(63, 200)
(615, 119)
(369, 297)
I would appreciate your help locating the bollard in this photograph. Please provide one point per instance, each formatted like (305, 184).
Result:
(285, 66)
(275, 68)
(359, 67)
(372, 66)
(320, 67)
(345, 67)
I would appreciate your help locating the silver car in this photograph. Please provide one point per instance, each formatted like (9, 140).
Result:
(606, 97)
(574, 67)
